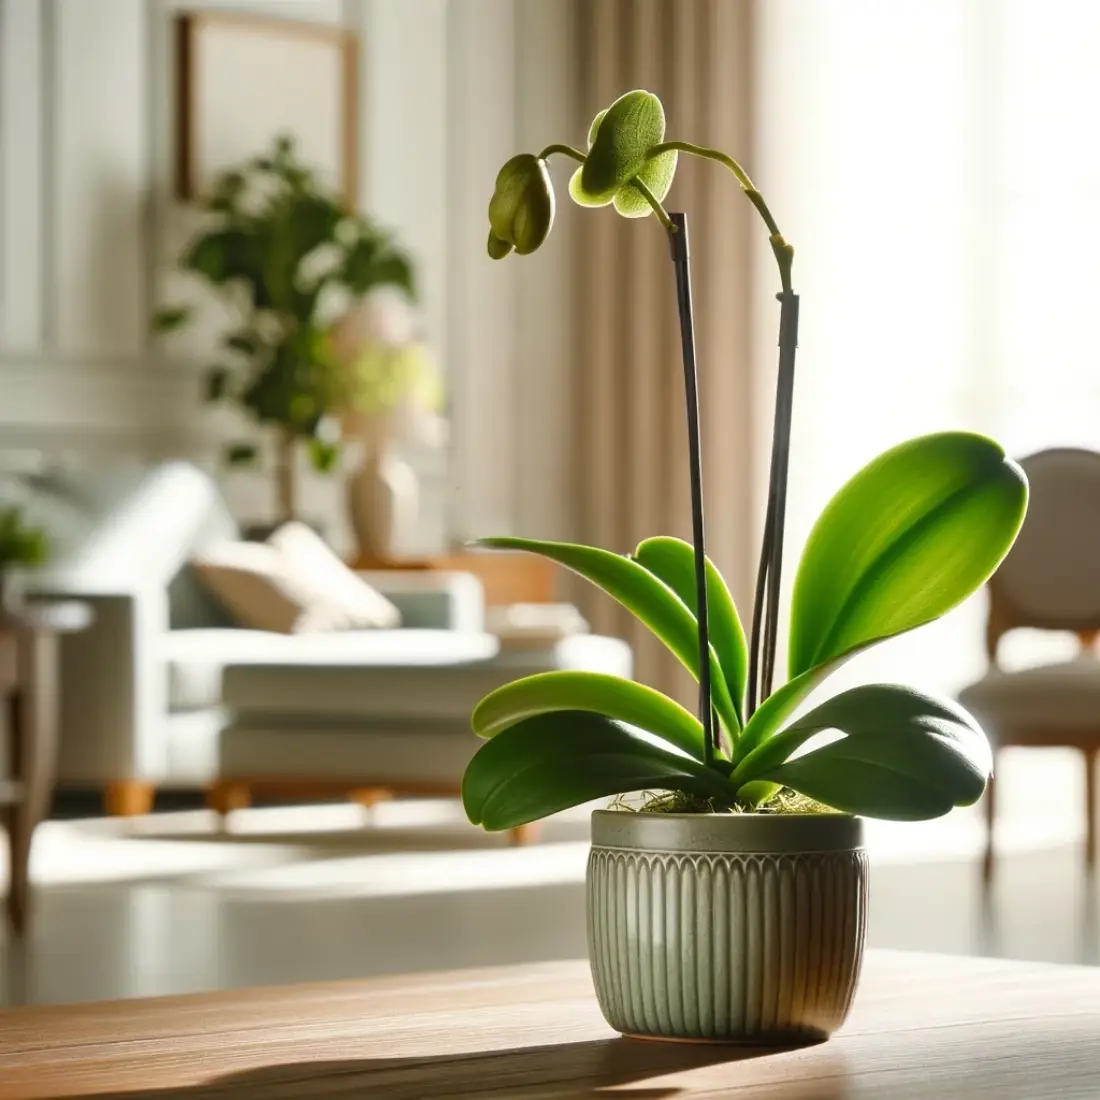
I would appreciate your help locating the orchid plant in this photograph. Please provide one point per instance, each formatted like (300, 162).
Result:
(908, 538)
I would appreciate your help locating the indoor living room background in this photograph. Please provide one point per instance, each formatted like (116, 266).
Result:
(239, 802)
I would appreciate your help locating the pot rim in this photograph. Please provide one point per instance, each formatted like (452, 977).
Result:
(727, 833)
(712, 815)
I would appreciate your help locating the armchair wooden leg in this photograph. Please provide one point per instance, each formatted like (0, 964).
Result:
(1090, 808)
(223, 797)
(523, 835)
(990, 801)
(128, 798)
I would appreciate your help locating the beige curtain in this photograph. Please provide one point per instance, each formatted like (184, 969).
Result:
(631, 475)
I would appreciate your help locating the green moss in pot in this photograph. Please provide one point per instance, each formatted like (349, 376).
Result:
(733, 907)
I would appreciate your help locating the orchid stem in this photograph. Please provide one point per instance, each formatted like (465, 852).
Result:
(566, 150)
(670, 225)
(681, 259)
(784, 254)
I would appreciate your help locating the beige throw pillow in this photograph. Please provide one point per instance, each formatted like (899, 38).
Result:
(291, 584)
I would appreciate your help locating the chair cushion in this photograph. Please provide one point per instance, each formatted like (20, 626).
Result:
(196, 659)
(1057, 698)
(410, 680)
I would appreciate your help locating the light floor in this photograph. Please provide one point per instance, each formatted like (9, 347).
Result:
(167, 904)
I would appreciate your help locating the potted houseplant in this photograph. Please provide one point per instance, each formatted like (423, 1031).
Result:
(287, 258)
(22, 545)
(734, 907)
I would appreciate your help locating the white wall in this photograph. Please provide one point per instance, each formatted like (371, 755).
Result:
(87, 224)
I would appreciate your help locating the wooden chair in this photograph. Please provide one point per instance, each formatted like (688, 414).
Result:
(1050, 580)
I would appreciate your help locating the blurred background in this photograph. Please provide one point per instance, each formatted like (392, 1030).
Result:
(931, 164)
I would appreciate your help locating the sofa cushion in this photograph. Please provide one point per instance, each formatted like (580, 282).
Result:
(196, 659)
(413, 680)
(291, 584)
(425, 759)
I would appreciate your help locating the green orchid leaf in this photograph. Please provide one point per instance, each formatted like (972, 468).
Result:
(597, 692)
(551, 762)
(521, 210)
(774, 710)
(673, 561)
(903, 755)
(621, 138)
(911, 536)
(644, 596)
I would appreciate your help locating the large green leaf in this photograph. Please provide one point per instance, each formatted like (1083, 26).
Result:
(646, 597)
(372, 262)
(554, 761)
(903, 755)
(774, 710)
(170, 318)
(223, 255)
(673, 560)
(310, 222)
(597, 692)
(908, 538)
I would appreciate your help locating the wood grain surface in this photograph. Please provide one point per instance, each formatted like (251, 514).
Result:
(505, 577)
(923, 1026)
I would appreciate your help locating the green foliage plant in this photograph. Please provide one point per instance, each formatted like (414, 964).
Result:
(21, 543)
(281, 251)
(908, 538)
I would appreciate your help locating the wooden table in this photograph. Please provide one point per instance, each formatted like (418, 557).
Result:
(507, 577)
(924, 1026)
(29, 685)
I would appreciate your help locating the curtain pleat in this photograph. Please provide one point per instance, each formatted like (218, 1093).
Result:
(631, 469)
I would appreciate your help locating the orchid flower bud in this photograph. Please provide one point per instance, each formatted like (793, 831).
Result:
(521, 210)
(619, 142)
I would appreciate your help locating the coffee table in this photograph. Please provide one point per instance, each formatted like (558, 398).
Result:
(924, 1026)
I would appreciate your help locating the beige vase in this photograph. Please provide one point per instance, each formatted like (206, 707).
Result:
(383, 502)
(744, 928)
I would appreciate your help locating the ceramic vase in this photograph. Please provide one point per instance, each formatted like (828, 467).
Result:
(383, 502)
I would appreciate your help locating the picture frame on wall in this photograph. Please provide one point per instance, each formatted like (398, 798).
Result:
(243, 79)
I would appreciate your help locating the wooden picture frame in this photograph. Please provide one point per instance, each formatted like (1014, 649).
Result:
(243, 79)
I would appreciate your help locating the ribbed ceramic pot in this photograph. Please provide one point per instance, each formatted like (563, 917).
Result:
(741, 928)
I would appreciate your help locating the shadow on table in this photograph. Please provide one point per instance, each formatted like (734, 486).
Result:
(631, 1068)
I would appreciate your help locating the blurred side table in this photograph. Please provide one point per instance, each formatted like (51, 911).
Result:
(507, 577)
(29, 683)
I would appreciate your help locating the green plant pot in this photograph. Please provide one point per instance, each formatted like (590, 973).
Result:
(738, 928)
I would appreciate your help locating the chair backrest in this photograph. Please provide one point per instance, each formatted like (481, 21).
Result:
(1051, 576)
